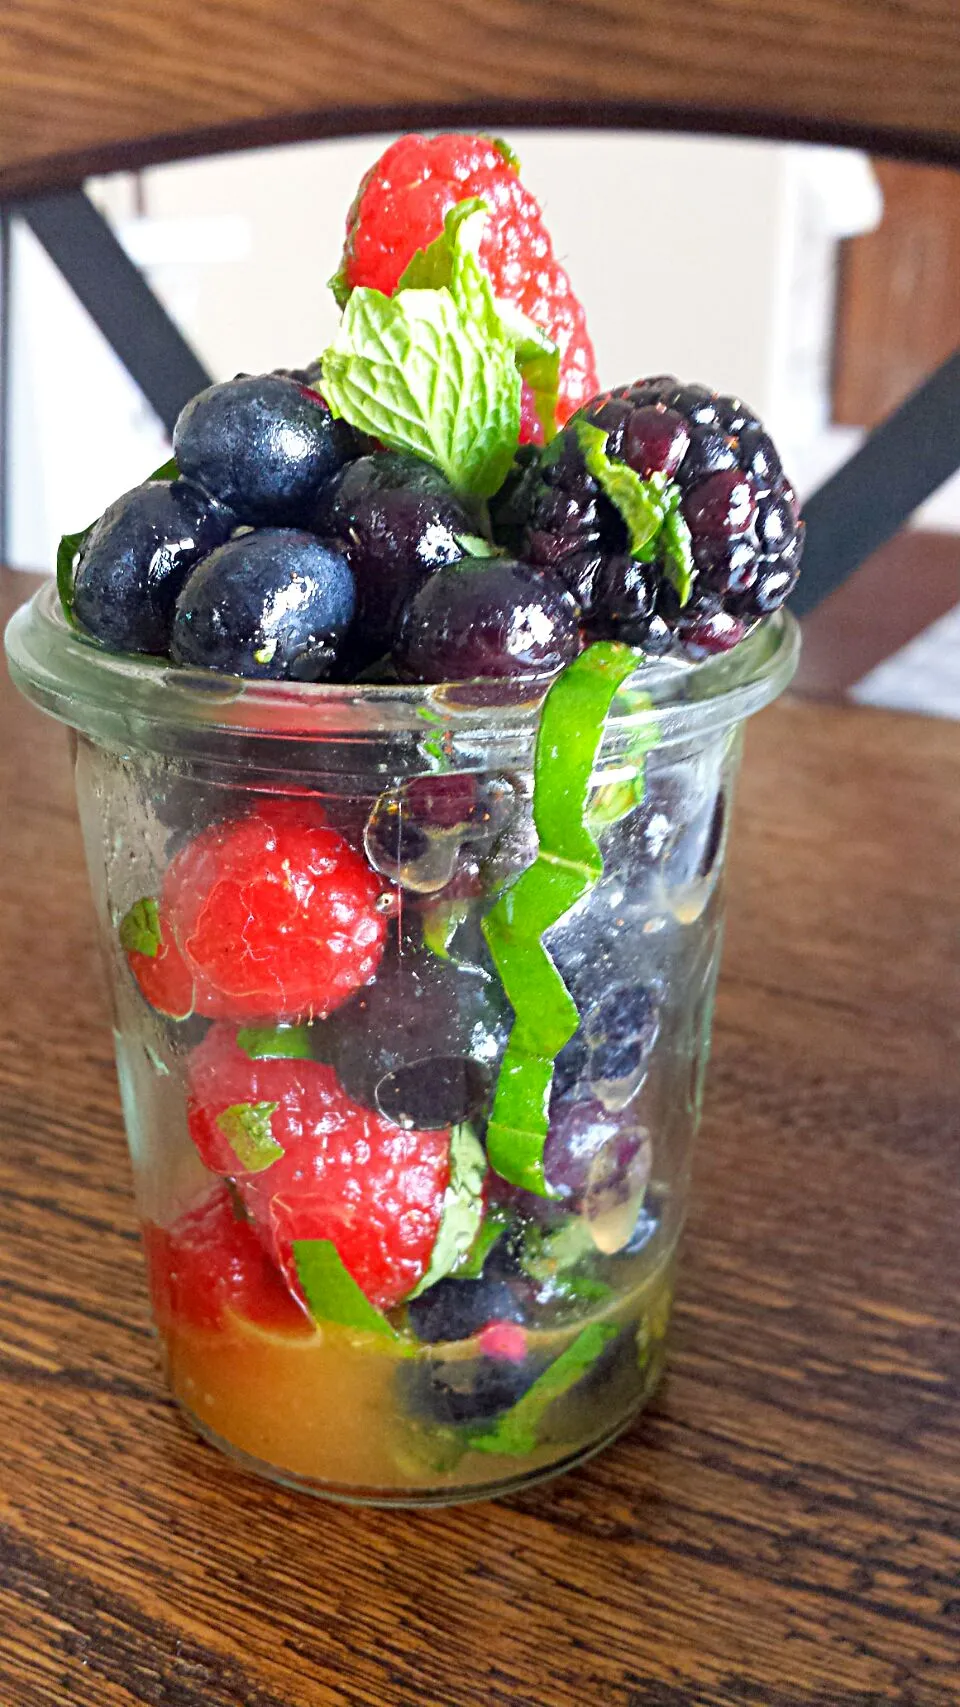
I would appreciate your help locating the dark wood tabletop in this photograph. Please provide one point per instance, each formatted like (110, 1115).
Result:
(781, 1528)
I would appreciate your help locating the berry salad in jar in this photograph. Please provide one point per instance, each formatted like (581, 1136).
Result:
(409, 698)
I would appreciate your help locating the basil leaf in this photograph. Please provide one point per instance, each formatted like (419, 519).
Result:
(567, 866)
(139, 930)
(268, 1043)
(462, 1207)
(246, 1127)
(491, 1230)
(331, 1292)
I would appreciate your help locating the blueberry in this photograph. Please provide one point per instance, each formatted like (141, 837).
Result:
(490, 617)
(263, 445)
(399, 520)
(451, 1391)
(422, 1042)
(614, 1042)
(275, 603)
(458, 1309)
(136, 561)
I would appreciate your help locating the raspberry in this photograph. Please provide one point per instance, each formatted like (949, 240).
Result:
(374, 1189)
(208, 1261)
(400, 208)
(746, 535)
(274, 914)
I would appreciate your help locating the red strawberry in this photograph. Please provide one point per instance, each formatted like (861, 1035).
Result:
(164, 977)
(209, 1260)
(375, 1190)
(274, 915)
(400, 208)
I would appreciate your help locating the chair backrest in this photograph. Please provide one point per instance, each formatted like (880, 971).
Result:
(101, 85)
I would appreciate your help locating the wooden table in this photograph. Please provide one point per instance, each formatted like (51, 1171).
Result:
(782, 1528)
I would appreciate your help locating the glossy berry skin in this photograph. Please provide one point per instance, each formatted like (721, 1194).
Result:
(736, 502)
(276, 603)
(399, 520)
(422, 1041)
(373, 1189)
(460, 1309)
(137, 559)
(400, 208)
(210, 1262)
(274, 914)
(487, 617)
(263, 445)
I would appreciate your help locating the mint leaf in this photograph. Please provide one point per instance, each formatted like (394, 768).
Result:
(676, 548)
(140, 931)
(340, 285)
(440, 924)
(331, 1291)
(640, 502)
(515, 1432)
(167, 471)
(432, 268)
(246, 1127)
(613, 800)
(491, 1229)
(462, 1207)
(415, 372)
(504, 149)
(474, 545)
(272, 1042)
(538, 358)
(546, 1254)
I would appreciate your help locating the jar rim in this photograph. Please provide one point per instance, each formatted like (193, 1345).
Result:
(145, 701)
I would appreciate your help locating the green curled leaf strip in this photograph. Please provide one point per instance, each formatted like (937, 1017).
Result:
(567, 866)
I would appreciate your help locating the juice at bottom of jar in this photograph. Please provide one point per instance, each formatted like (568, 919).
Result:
(324, 1405)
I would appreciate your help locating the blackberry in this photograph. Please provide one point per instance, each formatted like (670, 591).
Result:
(746, 534)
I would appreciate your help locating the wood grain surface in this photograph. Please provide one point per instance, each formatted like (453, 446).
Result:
(98, 85)
(782, 1529)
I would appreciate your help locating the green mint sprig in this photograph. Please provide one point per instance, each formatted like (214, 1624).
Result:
(462, 1211)
(246, 1127)
(331, 1292)
(275, 1042)
(568, 864)
(651, 510)
(514, 1434)
(140, 931)
(436, 368)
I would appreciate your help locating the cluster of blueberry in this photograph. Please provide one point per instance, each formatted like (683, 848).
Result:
(288, 547)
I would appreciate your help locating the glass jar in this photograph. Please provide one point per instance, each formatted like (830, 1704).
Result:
(292, 883)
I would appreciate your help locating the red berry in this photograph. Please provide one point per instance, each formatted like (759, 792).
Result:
(400, 208)
(721, 506)
(655, 440)
(164, 978)
(275, 914)
(375, 1190)
(208, 1261)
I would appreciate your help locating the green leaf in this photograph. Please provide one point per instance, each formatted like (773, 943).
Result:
(612, 801)
(273, 1042)
(474, 545)
(641, 503)
(331, 1291)
(462, 1207)
(340, 285)
(68, 552)
(246, 1127)
(440, 924)
(676, 548)
(515, 1432)
(492, 1228)
(140, 931)
(567, 866)
(432, 268)
(451, 261)
(167, 471)
(421, 376)
(504, 149)
(545, 1254)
